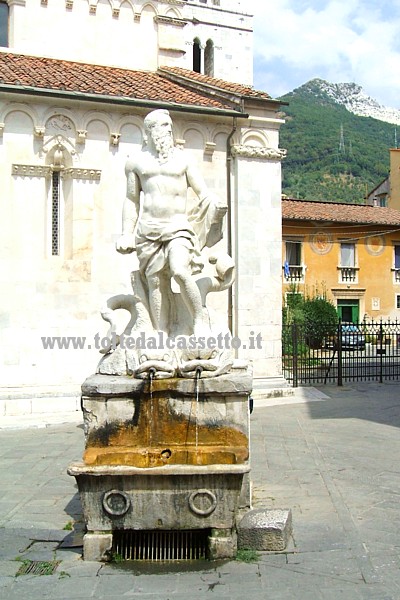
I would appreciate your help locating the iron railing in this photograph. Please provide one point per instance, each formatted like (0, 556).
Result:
(368, 351)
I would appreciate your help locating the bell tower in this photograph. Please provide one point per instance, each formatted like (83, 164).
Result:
(220, 34)
(212, 37)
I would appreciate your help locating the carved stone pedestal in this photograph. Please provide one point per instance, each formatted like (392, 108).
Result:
(178, 497)
(164, 455)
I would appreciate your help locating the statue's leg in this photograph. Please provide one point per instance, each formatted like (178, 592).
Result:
(179, 258)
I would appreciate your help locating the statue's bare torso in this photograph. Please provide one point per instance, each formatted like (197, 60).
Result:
(164, 184)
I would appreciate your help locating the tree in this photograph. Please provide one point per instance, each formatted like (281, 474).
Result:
(320, 320)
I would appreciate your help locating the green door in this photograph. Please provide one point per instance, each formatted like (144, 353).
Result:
(349, 310)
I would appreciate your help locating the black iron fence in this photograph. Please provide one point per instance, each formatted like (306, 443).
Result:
(368, 351)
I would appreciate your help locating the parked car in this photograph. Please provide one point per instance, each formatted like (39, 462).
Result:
(351, 338)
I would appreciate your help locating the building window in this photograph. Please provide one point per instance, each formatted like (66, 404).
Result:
(55, 213)
(209, 59)
(57, 225)
(4, 14)
(196, 55)
(293, 269)
(348, 310)
(397, 300)
(293, 253)
(396, 268)
(347, 267)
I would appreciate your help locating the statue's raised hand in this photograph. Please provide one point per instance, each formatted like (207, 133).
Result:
(126, 243)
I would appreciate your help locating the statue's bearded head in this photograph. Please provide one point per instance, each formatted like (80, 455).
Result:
(158, 126)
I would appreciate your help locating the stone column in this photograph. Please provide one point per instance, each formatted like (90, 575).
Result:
(257, 239)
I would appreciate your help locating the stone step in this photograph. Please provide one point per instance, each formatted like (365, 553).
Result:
(29, 400)
(271, 387)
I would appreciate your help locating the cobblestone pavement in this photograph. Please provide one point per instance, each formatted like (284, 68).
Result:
(333, 458)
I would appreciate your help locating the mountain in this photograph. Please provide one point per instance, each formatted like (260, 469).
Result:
(353, 97)
(333, 153)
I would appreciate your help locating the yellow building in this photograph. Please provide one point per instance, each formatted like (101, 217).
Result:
(350, 250)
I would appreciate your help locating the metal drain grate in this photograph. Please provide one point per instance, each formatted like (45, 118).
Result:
(156, 545)
(38, 567)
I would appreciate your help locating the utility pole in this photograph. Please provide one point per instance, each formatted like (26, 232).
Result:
(342, 148)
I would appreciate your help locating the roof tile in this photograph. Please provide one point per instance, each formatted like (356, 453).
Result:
(54, 74)
(225, 86)
(307, 210)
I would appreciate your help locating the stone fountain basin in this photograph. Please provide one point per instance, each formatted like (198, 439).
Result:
(168, 497)
(172, 455)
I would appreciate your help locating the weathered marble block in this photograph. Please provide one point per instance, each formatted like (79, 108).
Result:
(165, 422)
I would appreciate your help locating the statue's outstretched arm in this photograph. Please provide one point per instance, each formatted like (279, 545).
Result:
(130, 212)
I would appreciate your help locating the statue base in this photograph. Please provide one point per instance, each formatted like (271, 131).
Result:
(164, 455)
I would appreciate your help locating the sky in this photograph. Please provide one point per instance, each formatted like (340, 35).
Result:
(336, 40)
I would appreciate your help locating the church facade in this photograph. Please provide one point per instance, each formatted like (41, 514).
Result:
(77, 78)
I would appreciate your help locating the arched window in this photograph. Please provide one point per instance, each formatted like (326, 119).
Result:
(4, 14)
(209, 59)
(196, 55)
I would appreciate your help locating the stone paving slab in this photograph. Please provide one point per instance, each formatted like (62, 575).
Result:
(330, 455)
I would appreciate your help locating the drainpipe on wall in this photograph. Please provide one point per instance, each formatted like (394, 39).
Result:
(229, 212)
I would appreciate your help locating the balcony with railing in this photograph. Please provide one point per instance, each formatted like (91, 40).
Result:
(348, 274)
(396, 275)
(293, 273)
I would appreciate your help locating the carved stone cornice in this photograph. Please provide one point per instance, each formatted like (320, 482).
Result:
(46, 171)
(81, 136)
(31, 170)
(174, 2)
(247, 151)
(77, 173)
(170, 21)
(209, 148)
(179, 143)
(115, 138)
(39, 131)
(16, 2)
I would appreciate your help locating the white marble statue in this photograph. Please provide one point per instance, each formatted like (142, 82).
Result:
(168, 236)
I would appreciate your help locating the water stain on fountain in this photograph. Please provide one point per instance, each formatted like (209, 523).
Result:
(160, 434)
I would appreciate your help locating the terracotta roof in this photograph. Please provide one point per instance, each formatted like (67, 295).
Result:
(56, 75)
(225, 86)
(306, 210)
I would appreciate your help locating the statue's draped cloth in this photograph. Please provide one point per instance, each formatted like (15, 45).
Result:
(196, 230)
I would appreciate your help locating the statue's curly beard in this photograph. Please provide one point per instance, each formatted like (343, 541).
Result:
(163, 144)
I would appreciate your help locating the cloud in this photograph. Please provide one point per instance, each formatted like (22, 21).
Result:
(355, 40)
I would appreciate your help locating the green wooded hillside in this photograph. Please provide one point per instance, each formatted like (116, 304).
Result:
(316, 168)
